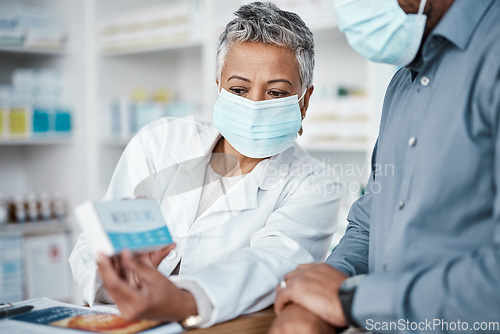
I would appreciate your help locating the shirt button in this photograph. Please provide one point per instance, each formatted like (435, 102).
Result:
(401, 205)
(425, 81)
(172, 255)
(412, 142)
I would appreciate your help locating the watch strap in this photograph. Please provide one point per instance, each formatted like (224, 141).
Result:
(346, 296)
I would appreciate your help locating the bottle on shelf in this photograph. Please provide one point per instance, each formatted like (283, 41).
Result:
(18, 210)
(58, 207)
(43, 206)
(31, 208)
(3, 210)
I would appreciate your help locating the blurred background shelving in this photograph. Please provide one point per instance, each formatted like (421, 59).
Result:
(123, 63)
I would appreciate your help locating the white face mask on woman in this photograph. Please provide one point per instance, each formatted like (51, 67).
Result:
(257, 129)
(380, 30)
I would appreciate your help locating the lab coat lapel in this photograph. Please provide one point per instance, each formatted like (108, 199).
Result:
(182, 193)
(244, 195)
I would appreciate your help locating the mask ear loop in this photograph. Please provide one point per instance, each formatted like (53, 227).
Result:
(422, 7)
(301, 116)
(302, 96)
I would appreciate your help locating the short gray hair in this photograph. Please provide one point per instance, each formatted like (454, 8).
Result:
(264, 22)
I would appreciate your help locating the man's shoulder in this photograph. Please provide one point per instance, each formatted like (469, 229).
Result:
(486, 36)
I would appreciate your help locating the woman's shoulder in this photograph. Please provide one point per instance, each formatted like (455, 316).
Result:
(302, 160)
(309, 177)
(173, 131)
(175, 124)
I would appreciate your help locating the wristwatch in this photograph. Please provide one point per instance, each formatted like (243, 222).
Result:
(346, 296)
(191, 322)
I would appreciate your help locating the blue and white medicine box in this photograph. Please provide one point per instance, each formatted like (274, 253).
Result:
(112, 226)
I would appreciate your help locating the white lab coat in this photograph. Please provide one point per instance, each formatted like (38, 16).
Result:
(281, 214)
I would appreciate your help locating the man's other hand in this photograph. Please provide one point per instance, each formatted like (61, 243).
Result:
(315, 287)
(295, 319)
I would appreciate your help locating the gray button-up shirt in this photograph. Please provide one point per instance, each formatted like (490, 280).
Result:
(428, 228)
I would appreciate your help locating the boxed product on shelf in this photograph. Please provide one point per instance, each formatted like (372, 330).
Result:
(164, 25)
(44, 39)
(4, 109)
(11, 37)
(129, 115)
(47, 270)
(11, 268)
(28, 27)
(338, 114)
(32, 107)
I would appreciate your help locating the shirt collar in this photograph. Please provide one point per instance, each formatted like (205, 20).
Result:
(456, 27)
(460, 22)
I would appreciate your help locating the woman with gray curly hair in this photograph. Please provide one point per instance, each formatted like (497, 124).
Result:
(243, 202)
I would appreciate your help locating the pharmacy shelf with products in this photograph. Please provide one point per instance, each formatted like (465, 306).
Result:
(42, 144)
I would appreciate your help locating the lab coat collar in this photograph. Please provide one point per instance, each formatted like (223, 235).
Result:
(267, 174)
(275, 169)
(244, 195)
(196, 148)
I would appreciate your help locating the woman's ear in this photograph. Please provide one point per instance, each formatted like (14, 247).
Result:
(305, 105)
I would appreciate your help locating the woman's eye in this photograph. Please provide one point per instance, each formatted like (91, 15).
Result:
(238, 91)
(275, 93)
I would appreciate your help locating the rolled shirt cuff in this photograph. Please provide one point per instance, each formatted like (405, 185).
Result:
(380, 298)
(203, 304)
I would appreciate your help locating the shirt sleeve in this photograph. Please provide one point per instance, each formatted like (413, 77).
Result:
(128, 172)
(85, 273)
(350, 256)
(203, 304)
(463, 289)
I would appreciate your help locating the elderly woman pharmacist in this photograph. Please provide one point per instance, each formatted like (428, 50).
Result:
(243, 202)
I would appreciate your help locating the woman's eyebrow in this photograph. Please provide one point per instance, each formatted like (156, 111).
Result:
(238, 77)
(280, 80)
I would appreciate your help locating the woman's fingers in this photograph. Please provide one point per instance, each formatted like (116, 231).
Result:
(144, 272)
(159, 255)
(117, 288)
(282, 299)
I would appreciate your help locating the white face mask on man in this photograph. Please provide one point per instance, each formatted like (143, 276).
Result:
(380, 30)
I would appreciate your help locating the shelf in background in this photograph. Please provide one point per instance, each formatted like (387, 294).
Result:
(35, 141)
(354, 147)
(23, 50)
(162, 48)
(324, 26)
(115, 142)
(39, 227)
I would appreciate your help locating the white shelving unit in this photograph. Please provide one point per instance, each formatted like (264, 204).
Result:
(80, 167)
(35, 51)
(52, 164)
(35, 141)
(36, 228)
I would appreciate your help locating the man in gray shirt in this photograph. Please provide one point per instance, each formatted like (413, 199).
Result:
(422, 248)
